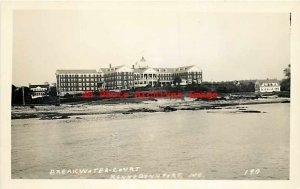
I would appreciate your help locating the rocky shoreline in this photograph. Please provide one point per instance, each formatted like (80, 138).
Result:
(123, 107)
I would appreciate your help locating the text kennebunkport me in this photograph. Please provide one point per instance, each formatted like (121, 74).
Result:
(150, 94)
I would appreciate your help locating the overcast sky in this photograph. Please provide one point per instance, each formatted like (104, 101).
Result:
(226, 46)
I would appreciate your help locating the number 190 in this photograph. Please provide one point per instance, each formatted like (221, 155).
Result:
(252, 172)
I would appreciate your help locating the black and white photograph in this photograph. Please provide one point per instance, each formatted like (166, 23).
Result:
(150, 94)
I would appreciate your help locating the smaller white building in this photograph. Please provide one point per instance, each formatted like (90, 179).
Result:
(267, 86)
(39, 91)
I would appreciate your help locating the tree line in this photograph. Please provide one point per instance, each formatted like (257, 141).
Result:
(20, 95)
(286, 82)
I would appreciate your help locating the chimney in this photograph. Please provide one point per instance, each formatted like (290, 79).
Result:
(109, 65)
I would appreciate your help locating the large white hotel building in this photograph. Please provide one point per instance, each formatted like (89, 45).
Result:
(123, 77)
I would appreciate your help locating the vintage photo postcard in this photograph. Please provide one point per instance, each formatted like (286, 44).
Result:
(150, 93)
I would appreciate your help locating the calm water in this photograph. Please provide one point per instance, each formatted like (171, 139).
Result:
(206, 144)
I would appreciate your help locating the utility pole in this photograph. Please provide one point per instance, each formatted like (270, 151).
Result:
(58, 96)
(290, 19)
(58, 88)
(23, 96)
(290, 22)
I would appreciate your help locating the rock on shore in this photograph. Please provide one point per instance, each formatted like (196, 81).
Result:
(148, 106)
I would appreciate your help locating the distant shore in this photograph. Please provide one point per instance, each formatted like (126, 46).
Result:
(131, 106)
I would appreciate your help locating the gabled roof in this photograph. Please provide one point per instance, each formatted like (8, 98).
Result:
(186, 68)
(42, 86)
(120, 68)
(144, 70)
(259, 82)
(75, 71)
(103, 70)
(165, 70)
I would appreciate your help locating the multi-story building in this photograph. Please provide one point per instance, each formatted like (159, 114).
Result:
(268, 85)
(39, 91)
(189, 74)
(123, 77)
(117, 78)
(165, 76)
(77, 81)
(147, 76)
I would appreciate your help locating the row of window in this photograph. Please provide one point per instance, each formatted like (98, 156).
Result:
(119, 82)
(186, 73)
(118, 77)
(39, 89)
(75, 80)
(166, 78)
(149, 78)
(270, 89)
(146, 76)
(77, 84)
(269, 84)
(78, 88)
(80, 75)
(145, 82)
(38, 94)
(118, 73)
